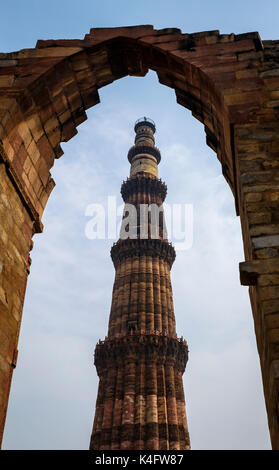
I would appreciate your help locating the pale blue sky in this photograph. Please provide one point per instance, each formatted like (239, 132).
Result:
(22, 23)
(55, 383)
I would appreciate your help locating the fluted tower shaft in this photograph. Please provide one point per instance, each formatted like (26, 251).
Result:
(140, 402)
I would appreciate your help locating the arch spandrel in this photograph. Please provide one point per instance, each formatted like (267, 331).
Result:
(54, 84)
(229, 82)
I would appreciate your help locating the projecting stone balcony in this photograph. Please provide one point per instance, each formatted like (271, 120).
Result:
(137, 247)
(144, 149)
(142, 184)
(140, 346)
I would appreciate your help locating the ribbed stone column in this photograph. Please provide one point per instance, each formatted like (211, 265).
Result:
(140, 402)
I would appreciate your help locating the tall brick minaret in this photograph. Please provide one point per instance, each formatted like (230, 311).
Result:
(140, 403)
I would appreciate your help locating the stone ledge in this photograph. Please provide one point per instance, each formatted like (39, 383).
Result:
(137, 347)
(250, 270)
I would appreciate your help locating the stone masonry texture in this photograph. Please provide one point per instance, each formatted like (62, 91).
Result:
(140, 403)
(229, 82)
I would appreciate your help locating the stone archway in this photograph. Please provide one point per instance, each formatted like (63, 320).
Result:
(229, 82)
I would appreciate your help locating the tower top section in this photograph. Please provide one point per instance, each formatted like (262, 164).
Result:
(144, 156)
(144, 121)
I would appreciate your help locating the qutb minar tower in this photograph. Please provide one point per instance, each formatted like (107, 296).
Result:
(140, 402)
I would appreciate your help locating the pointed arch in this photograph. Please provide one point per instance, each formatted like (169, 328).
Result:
(229, 82)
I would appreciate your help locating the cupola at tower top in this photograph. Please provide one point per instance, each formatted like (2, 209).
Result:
(146, 122)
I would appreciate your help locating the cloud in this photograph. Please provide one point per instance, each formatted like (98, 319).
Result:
(224, 411)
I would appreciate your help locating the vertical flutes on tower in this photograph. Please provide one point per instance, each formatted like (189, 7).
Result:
(140, 403)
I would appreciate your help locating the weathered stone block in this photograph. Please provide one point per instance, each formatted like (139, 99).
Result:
(271, 292)
(250, 270)
(259, 218)
(270, 306)
(253, 197)
(7, 80)
(268, 279)
(272, 321)
(262, 242)
(267, 229)
(35, 126)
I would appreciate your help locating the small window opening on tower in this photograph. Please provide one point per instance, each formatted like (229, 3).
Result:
(132, 325)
